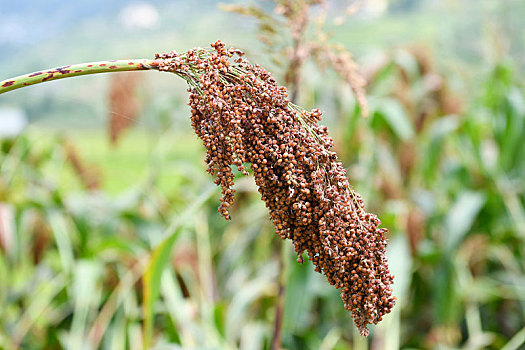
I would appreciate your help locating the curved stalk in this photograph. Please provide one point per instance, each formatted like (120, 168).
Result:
(76, 70)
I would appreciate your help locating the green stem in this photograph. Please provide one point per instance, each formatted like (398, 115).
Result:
(76, 70)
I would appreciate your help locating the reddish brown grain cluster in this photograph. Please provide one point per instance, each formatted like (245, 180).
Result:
(246, 120)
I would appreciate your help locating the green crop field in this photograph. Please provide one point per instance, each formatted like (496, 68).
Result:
(121, 246)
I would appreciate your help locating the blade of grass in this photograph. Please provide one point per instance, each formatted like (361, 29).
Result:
(207, 286)
(516, 342)
(117, 337)
(158, 261)
(401, 264)
(461, 216)
(239, 309)
(60, 231)
(86, 274)
(128, 281)
(117, 296)
(178, 310)
(331, 339)
(252, 337)
(40, 302)
(359, 342)
(395, 116)
(135, 338)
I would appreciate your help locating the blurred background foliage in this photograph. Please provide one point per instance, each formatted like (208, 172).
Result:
(109, 235)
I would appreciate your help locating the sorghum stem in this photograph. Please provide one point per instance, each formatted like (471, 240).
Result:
(76, 70)
(279, 309)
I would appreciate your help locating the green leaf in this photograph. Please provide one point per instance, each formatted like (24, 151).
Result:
(298, 297)
(60, 230)
(440, 130)
(511, 138)
(401, 265)
(41, 300)
(252, 336)
(242, 303)
(446, 302)
(408, 63)
(86, 274)
(516, 342)
(158, 261)
(395, 116)
(461, 216)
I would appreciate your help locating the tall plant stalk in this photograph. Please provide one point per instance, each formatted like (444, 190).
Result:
(76, 70)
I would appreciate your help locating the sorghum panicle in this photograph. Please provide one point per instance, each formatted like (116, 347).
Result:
(245, 119)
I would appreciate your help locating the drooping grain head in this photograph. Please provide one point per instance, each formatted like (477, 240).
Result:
(245, 119)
